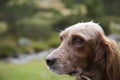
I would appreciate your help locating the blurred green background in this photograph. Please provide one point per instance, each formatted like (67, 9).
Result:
(29, 27)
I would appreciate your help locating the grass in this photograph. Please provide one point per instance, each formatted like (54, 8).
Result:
(34, 70)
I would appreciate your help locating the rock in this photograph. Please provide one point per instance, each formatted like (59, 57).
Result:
(24, 41)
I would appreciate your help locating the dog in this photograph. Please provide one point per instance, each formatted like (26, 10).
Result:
(86, 53)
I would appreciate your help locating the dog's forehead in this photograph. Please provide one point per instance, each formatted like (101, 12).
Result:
(87, 26)
(85, 29)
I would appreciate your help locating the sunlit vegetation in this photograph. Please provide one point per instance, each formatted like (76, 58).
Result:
(35, 70)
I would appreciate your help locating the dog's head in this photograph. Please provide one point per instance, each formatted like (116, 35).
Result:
(77, 48)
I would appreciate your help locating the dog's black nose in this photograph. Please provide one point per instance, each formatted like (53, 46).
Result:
(50, 61)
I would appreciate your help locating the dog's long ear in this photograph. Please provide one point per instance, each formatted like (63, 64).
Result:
(112, 61)
(108, 58)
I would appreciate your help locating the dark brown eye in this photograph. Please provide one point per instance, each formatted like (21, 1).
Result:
(77, 41)
(61, 38)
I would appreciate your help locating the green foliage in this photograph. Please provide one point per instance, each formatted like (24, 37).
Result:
(105, 24)
(95, 8)
(72, 3)
(3, 27)
(73, 19)
(7, 47)
(119, 46)
(68, 21)
(10, 47)
(33, 31)
(23, 49)
(40, 46)
(35, 70)
(23, 18)
(7, 50)
(17, 10)
(54, 40)
(112, 7)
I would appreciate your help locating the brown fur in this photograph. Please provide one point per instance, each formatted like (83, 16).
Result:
(94, 55)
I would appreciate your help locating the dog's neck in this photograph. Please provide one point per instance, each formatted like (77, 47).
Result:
(91, 76)
(92, 73)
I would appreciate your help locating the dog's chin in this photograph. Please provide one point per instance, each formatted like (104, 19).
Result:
(67, 71)
(56, 71)
(71, 73)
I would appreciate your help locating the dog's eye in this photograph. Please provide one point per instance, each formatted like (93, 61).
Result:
(77, 41)
(61, 38)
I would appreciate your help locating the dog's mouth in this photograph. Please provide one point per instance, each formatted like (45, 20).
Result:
(61, 71)
(75, 72)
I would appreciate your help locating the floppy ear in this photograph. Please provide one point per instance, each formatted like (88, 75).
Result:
(108, 58)
(112, 61)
